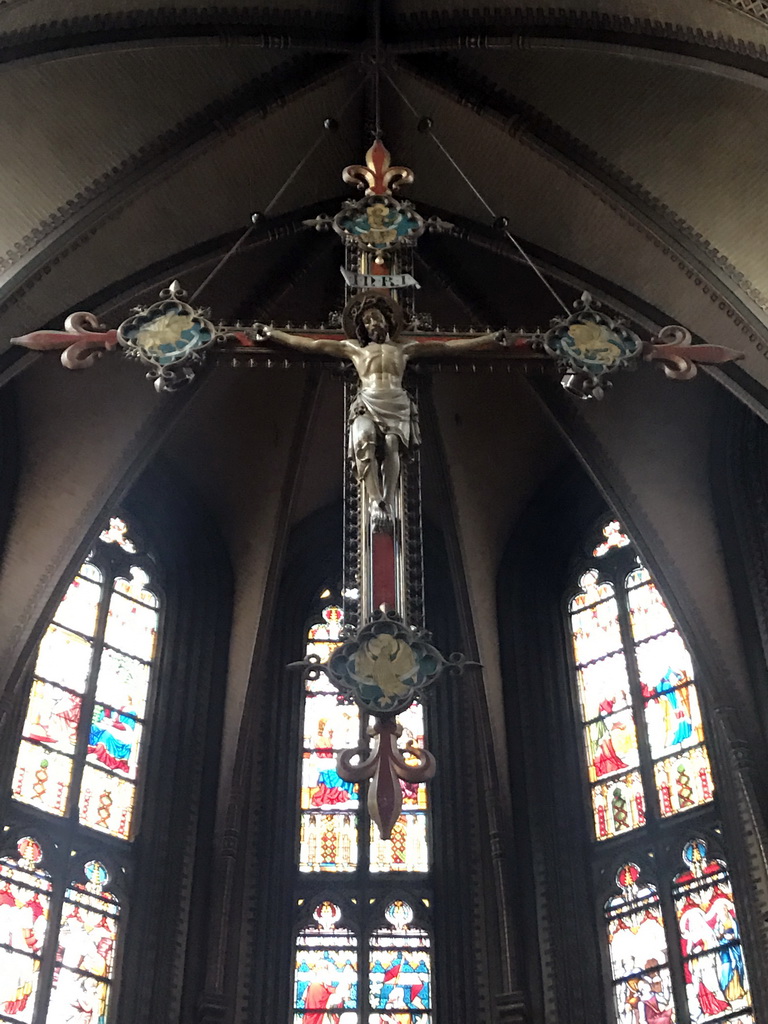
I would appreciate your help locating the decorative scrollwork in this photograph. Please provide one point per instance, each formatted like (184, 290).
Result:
(169, 336)
(588, 345)
(673, 347)
(83, 339)
(385, 664)
(385, 766)
(377, 177)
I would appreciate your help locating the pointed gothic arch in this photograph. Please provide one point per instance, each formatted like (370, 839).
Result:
(140, 876)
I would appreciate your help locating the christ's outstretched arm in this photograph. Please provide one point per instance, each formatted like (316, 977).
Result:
(326, 346)
(436, 348)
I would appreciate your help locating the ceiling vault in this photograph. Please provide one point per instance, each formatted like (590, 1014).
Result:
(271, 28)
(108, 195)
(488, 101)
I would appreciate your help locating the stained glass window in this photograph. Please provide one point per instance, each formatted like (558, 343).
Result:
(93, 666)
(642, 730)
(25, 897)
(613, 537)
(332, 819)
(399, 972)
(716, 983)
(329, 805)
(326, 972)
(638, 952)
(705, 977)
(79, 762)
(337, 978)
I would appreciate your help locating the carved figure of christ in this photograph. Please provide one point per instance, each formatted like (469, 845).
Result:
(383, 420)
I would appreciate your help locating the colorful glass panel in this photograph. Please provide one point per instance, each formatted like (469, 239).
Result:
(326, 970)
(408, 847)
(328, 841)
(114, 739)
(324, 636)
(52, 717)
(406, 850)
(613, 538)
(135, 587)
(42, 777)
(610, 735)
(24, 905)
(322, 787)
(637, 944)
(673, 718)
(64, 658)
(603, 686)
(331, 721)
(400, 977)
(85, 951)
(713, 961)
(106, 802)
(611, 744)
(684, 781)
(117, 533)
(618, 805)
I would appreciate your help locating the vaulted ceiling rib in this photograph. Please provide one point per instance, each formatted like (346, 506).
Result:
(622, 139)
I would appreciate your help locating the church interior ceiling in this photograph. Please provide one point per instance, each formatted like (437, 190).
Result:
(624, 142)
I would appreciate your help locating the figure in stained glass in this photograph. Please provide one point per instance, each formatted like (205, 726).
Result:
(713, 961)
(638, 952)
(604, 757)
(677, 715)
(111, 737)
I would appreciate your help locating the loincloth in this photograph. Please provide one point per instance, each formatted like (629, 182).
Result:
(393, 412)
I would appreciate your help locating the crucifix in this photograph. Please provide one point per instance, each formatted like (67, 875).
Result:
(386, 658)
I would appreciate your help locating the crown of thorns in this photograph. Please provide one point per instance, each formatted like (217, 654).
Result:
(380, 304)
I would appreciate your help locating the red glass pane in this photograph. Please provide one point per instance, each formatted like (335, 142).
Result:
(713, 962)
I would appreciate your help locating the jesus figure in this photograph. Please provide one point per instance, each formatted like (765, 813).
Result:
(383, 420)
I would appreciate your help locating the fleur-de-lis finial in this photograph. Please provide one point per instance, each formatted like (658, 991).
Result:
(378, 178)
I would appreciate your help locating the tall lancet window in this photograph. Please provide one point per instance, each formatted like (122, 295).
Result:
(363, 945)
(673, 944)
(642, 730)
(76, 791)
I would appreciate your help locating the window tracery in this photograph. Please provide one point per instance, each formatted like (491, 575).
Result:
(362, 954)
(671, 936)
(75, 790)
(642, 728)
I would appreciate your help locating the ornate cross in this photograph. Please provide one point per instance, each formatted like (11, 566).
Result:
(386, 658)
